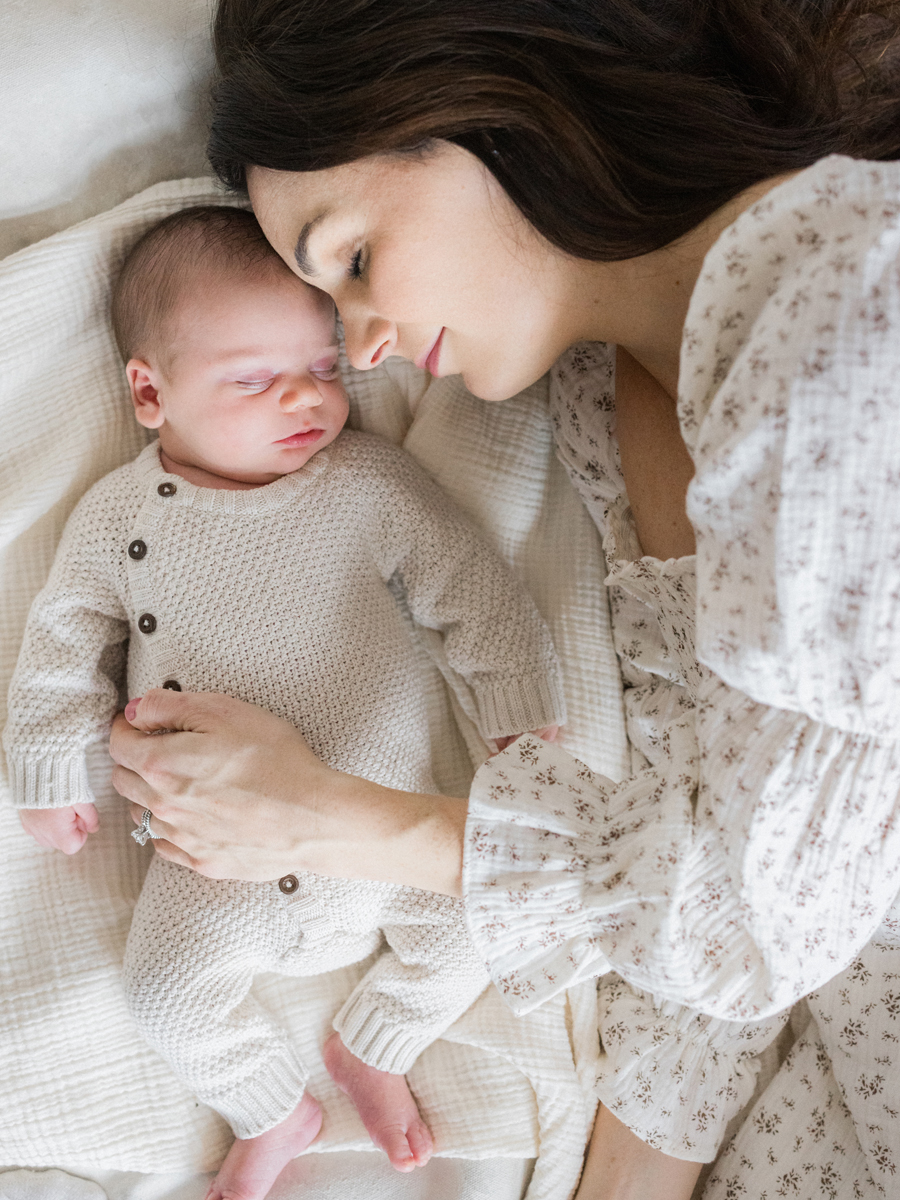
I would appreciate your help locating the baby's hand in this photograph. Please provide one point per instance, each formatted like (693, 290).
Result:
(548, 734)
(63, 829)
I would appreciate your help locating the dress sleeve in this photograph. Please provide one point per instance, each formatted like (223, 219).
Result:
(65, 687)
(491, 634)
(734, 887)
(758, 871)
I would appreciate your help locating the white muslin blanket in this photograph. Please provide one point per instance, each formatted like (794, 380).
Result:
(78, 1084)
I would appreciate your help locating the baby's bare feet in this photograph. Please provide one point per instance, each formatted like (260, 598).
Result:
(385, 1104)
(252, 1166)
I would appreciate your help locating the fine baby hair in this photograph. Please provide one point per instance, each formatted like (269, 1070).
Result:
(212, 240)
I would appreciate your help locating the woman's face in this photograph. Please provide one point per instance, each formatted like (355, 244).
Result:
(426, 258)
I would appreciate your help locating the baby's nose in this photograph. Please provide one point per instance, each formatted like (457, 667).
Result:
(303, 394)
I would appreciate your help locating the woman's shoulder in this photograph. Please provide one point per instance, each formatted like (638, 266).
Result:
(809, 267)
(791, 411)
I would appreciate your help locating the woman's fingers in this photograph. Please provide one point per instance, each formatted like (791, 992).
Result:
(132, 787)
(236, 793)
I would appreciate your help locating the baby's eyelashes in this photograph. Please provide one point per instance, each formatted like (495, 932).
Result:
(255, 385)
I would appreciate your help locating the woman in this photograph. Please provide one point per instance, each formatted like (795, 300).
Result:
(480, 188)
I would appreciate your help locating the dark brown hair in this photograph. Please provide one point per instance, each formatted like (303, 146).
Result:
(615, 126)
(214, 238)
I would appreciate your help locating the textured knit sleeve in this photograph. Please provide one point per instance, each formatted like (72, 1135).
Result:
(426, 979)
(491, 632)
(758, 871)
(65, 687)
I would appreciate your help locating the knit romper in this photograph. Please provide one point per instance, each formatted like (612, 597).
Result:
(300, 597)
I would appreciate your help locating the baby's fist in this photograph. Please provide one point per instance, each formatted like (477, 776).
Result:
(63, 829)
(548, 734)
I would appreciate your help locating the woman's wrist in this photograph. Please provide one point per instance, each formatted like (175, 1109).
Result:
(390, 836)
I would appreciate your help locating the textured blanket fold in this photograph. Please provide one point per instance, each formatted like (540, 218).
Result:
(79, 1084)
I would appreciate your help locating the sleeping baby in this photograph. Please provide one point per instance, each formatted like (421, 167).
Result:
(258, 548)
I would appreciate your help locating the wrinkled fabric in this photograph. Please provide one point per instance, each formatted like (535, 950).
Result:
(754, 851)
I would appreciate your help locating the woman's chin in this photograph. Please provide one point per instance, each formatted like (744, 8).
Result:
(496, 388)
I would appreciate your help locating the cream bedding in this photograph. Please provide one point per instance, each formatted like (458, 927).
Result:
(79, 1086)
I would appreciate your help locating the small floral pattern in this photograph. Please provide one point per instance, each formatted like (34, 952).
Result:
(755, 851)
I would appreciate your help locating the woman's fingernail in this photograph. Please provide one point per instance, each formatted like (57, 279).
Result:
(131, 709)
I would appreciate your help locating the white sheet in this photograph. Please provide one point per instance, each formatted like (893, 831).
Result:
(83, 1089)
(348, 1176)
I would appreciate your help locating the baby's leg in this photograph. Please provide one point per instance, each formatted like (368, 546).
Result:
(252, 1165)
(385, 1104)
(194, 948)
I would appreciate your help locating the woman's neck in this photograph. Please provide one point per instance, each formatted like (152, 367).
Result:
(642, 303)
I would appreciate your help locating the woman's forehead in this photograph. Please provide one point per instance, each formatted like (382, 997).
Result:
(378, 183)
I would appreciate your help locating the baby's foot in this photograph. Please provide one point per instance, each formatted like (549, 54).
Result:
(252, 1166)
(385, 1104)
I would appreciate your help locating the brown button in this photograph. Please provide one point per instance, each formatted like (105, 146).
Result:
(146, 622)
(137, 550)
(173, 685)
(167, 489)
(289, 884)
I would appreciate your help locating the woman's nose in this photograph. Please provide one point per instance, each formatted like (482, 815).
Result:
(368, 340)
(299, 394)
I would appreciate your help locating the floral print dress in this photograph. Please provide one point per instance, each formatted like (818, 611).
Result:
(754, 855)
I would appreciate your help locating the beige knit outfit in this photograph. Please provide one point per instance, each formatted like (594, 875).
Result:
(297, 596)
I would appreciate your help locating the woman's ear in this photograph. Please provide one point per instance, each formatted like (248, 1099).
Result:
(143, 380)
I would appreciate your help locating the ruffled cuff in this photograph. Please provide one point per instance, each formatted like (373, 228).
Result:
(518, 705)
(49, 781)
(540, 876)
(673, 1076)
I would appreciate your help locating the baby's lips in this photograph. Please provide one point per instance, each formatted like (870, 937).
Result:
(131, 709)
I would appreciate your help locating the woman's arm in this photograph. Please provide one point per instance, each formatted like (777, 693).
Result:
(619, 1166)
(236, 793)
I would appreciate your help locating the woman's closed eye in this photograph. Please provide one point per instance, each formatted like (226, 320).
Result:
(356, 268)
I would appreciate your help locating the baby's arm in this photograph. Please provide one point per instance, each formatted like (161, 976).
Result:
(492, 636)
(65, 687)
(63, 829)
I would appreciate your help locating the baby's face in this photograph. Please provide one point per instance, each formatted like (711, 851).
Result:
(250, 389)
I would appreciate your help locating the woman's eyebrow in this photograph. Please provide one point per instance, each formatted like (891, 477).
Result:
(301, 251)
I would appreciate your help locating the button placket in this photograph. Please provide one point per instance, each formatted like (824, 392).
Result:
(147, 541)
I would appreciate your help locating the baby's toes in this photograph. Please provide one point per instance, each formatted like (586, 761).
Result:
(420, 1142)
(394, 1142)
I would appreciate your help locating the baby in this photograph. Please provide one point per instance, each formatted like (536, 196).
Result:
(259, 549)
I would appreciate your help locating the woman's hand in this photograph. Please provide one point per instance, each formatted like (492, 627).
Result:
(236, 793)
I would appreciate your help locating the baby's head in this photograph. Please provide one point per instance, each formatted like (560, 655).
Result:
(228, 354)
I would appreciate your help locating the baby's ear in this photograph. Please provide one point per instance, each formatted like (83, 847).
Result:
(143, 382)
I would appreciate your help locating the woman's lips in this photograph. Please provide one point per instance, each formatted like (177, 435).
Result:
(431, 359)
(305, 438)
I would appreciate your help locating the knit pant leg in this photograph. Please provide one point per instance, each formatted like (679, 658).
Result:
(194, 948)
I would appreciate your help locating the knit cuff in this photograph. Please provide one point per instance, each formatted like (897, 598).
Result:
(520, 705)
(264, 1100)
(49, 782)
(367, 1033)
